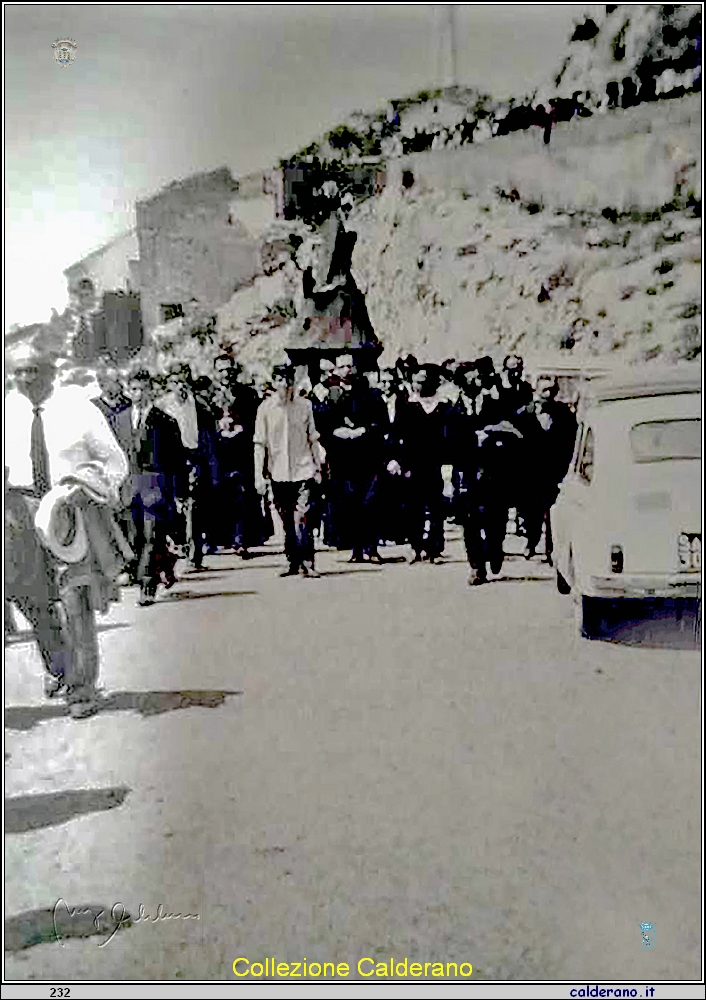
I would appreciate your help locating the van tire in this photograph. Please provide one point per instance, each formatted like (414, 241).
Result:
(562, 585)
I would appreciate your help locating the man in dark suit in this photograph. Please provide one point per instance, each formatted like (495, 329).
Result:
(159, 479)
(549, 428)
(422, 432)
(486, 448)
(203, 472)
(353, 427)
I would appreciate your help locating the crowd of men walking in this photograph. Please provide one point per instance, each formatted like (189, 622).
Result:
(114, 489)
(355, 457)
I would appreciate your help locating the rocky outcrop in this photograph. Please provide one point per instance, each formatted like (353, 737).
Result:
(553, 249)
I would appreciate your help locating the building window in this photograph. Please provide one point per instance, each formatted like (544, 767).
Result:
(171, 310)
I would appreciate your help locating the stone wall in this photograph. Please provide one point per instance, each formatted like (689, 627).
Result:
(109, 269)
(193, 248)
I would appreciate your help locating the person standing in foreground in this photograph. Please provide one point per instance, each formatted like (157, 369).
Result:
(288, 452)
(63, 471)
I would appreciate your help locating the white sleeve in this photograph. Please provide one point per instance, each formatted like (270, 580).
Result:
(260, 436)
(102, 465)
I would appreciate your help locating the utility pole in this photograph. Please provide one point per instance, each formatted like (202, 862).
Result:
(452, 41)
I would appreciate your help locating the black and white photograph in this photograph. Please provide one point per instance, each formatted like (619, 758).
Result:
(353, 499)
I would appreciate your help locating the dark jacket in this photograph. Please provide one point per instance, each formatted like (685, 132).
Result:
(549, 448)
(204, 459)
(159, 458)
(362, 407)
(424, 440)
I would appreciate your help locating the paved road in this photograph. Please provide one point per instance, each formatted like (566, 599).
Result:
(409, 767)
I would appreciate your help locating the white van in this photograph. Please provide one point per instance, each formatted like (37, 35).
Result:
(627, 521)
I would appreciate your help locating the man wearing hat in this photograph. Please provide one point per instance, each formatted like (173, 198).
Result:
(63, 471)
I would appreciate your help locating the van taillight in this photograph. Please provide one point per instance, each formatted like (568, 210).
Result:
(616, 559)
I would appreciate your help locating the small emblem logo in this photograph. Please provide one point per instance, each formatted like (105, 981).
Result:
(648, 935)
(64, 50)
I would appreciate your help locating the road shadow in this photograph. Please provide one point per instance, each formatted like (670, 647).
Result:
(200, 574)
(147, 703)
(27, 635)
(521, 579)
(234, 569)
(384, 561)
(250, 557)
(192, 595)
(34, 812)
(42, 926)
(348, 572)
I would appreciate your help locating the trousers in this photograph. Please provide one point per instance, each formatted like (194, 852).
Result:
(482, 509)
(293, 503)
(425, 510)
(355, 511)
(33, 581)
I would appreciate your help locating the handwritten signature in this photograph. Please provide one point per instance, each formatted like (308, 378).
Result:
(119, 917)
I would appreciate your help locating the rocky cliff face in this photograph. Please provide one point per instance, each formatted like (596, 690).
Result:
(584, 248)
(634, 52)
(588, 247)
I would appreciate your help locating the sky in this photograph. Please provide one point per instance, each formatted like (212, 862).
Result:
(161, 91)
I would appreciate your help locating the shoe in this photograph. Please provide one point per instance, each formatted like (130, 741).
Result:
(476, 578)
(530, 554)
(83, 709)
(309, 571)
(417, 558)
(496, 565)
(146, 599)
(53, 683)
(357, 557)
(169, 581)
(548, 559)
(83, 702)
(376, 559)
(292, 571)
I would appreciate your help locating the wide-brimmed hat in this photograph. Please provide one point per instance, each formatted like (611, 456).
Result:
(61, 527)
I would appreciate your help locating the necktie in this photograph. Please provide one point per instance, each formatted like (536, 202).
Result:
(39, 455)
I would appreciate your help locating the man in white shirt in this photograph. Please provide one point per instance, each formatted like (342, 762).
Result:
(288, 452)
(59, 445)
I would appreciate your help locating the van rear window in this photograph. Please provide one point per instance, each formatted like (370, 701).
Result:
(662, 440)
